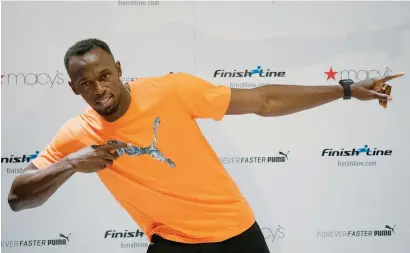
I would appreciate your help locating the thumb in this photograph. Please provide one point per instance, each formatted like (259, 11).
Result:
(381, 96)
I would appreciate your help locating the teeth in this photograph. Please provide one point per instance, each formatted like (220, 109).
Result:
(105, 100)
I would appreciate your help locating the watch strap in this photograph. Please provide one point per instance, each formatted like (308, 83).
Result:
(347, 88)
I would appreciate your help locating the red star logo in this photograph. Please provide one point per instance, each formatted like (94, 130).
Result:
(331, 74)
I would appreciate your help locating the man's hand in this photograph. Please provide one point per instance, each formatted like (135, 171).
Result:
(374, 88)
(95, 157)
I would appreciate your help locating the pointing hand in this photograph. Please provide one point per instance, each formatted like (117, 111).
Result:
(375, 88)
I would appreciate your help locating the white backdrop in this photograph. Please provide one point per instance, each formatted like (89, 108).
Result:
(308, 202)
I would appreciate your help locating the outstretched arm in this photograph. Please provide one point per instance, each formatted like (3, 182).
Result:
(279, 100)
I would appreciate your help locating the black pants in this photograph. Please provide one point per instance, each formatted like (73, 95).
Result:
(250, 241)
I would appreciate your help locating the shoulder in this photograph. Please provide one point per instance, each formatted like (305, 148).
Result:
(66, 141)
(177, 84)
(168, 80)
(143, 85)
(165, 84)
(182, 78)
(68, 136)
(192, 85)
(186, 83)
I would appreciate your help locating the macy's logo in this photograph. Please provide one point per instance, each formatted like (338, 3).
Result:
(356, 74)
(33, 79)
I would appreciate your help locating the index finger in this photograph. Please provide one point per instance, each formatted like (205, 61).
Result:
(113, 146)
(390, 77)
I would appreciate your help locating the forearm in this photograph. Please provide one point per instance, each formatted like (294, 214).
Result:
(281, 100)
(33, 187)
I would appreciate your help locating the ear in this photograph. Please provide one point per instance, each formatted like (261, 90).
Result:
(73, 88)
(118, 67)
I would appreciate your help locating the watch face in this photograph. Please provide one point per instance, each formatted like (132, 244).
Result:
(346, 82)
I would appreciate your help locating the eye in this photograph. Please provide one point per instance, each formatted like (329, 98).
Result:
(105, 76)
(86, 84)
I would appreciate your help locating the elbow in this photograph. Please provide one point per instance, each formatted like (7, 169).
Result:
(17, 204)
(14, 202)
(14, 207)
(263, 108)
(14, 199)
(18, 201)
(268, 108)
(21, 195)
(267, 105)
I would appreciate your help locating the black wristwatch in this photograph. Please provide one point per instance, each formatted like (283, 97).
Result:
(347, 88)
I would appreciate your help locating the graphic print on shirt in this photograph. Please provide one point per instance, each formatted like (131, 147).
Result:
(151, 150)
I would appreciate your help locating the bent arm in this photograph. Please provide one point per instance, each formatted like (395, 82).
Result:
(34, 187)
(279, 100)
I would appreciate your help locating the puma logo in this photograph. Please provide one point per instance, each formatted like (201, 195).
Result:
(65, 237)
(151, 150)
(391, 228)
(285, 155)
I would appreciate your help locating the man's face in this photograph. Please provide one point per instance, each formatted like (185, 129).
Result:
(96, 77)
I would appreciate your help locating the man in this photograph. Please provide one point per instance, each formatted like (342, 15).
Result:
(139, 138)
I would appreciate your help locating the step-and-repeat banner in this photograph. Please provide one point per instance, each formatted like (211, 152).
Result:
(306, 197)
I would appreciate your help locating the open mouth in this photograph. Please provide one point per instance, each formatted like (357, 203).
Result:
(106, 101)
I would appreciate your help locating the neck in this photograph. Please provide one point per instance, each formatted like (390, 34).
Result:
(123, 105)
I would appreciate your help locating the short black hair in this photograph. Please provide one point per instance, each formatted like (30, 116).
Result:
(84, 46)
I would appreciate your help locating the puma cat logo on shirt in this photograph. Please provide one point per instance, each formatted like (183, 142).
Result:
(151, 150)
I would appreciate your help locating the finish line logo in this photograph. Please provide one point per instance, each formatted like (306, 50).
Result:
(17, 164)
(19, 159)
(366, 151)
(280, 158)
(128, 238)
(123, 234)
(62, 240)
(386, 231)
(258, 71)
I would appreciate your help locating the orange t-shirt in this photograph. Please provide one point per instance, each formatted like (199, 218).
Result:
(178, 188)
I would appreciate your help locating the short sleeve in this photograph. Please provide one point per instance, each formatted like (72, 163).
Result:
(62, 144)
(201, 98)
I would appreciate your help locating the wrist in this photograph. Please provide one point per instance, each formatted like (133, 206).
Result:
(339, 90)
(354, 91)
(69, 165)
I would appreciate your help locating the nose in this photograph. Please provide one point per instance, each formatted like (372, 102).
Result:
(99, 88)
